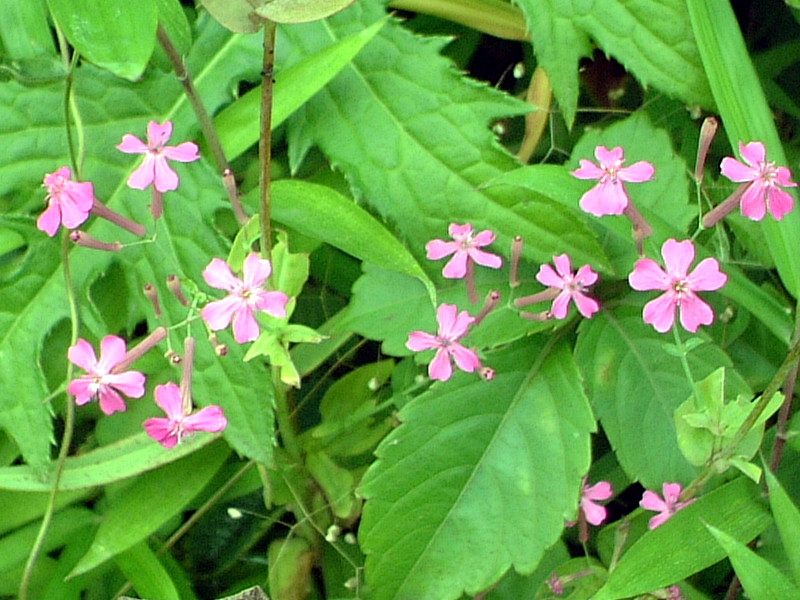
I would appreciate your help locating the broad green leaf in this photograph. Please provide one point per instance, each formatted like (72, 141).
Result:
(787, 518)
(23, 507)
(760, 580)
(745, 116)
(651, 39)
(236, 15)
(237, 124)
(108, 464)
(172, 17)
(118, 36)
(24, 31)
(414, 140)
(149, 502)
(490, 465)
(149, 577)
(300, 11)
(630, 379)
(34, 298)
(736, 506)
(321, 212)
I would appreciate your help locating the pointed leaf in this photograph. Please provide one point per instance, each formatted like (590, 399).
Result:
(737, 506)
(144, 570)
(760, 580)
(491, 465)
(787, 518)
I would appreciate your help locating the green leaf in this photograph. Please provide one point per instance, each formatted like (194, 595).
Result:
(293, 87)
(737, 506)
(146, 504)
(34, 298)
(172, 17)
(118, 36)
(114, 462)
(473, 461)
(235, 15)
(651, 39)
(24, 31)
(631, 380)
(414, 141)
(787, 518)
(150, 579)
(746, 116)
(300, 11)
(760, 580)
(321, 212)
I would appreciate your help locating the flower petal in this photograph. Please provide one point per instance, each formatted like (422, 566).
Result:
(437, 249)
(601, 490)
(143, 176)
(185, 152)
(420, 340)
(652, 501)
(111, 401)
(82, 389)
(648, 275)
(168, 397)
(595, 514)
(609, 158)
(460, 232)
(678, 257)
(660, 313)
(82, 354)
(219, 275)
(548, 276)
(245, 326)
(165, 178)
(695, 312)
(50, 219)
(256, 271)
(485, 259)
(780, 203)
(737, 171)
(112, 352)
(560, 306)
(132, 145)
(586, 306)
(484, 238)
(466, 359)
(753, 203)
(754, 153)
(606, 198)
(210, 418)
(160, 429)
(440, 367)
(638, 172)
(706, 276)
(563, 266)
(219, 314)
(158, 135)
(130, 383)
(272, 303)
(456, 267)
(588, 170)
(586, 276)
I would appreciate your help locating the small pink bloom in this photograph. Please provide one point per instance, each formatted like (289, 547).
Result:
(595, 513)
(766, 181)
(679, 287)
(68, 202)
(452, 327)
(665, 507)
(100, 382)
(609, 196)
(555, 584)
(171, 430)
(463, 248)
(573, 287)
(246, 296)
(155, 167)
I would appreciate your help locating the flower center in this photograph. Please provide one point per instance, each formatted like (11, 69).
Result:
(680, 287)
(769, 173)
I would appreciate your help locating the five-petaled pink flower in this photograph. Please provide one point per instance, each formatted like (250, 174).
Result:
(665, 507)
(609, 196)
(573, 287)
(766, 180)
(68, 202)
(171, 430)
(155, 167)
(452, 327)
(679, 287)
(464, 247)
(246, 296)
(595, 513)
(101, 382)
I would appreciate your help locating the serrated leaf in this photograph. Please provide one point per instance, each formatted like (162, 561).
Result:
(737, 506)
(651, 39)
(118, 36)
(760, 580)
(631, 380)
(414, 141)
(787, 518)
(141, 508)
(473, 461)
(34, 299)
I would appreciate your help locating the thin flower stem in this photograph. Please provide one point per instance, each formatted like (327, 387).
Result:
(687, 371)
(785, 410)
(66, 439)
(203, 118)
(265, 140)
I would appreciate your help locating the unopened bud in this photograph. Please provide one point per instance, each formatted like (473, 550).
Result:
(487, 373)
(707, 133)
(174, 285)
(220, 349)
(540, 317)
(173, 357)
(491, 302)
(157, 205)
(152, 295)
(333, 533)
(350, 538)
(516, 253)
(81, 238)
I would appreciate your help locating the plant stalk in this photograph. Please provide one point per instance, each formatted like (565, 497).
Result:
(265, 140)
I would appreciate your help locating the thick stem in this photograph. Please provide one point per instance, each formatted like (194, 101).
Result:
(206, 123)
(265, 140)
(727, 206)
(141, 349)
(516, 253)
(101, 210)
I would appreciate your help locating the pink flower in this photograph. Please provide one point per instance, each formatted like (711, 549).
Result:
(595, 513)
(100, 381)
(572, 286)
(766, 180)
(155, 167)
(680, 289)
(245, 297)
(667, 506)
(171, 430)
(609, 197)
(463, 248)
(68, 202)
(452, 327)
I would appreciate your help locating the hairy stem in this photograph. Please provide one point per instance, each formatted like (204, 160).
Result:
(265, 140)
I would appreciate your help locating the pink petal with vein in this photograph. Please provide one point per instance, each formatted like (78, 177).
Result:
(245, 326)
(143, 176)
(437, 249)
(210, 418)
(678, 257)
(256, 271)
(165, 178)
(218, 314)
(637, 172)
(82, 354)
(660, 313)
(648, 275)
(440, 367)
(780, 203)
(132, 145)
(695, 312)
(185, 152)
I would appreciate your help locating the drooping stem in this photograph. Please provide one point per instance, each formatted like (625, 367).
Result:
(265, 140)
(206, 123)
